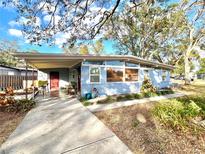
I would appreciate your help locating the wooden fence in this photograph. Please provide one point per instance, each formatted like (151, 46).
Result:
(14, 81)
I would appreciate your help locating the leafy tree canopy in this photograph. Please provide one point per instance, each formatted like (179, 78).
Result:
(6, 50)
(202, 66)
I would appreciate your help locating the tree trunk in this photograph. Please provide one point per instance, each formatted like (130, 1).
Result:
(187, 69)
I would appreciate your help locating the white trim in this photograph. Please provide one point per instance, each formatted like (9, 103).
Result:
(105, 65)
(123, 80)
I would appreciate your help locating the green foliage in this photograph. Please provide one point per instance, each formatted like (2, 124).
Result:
(98, 47)
(199, 100)
(147, 87)
(137, 96)
(86, 103)
(202, 65)
(6, 50)
(21, 106)
(42, 83)
(178, 114)
(84, 50)
(155, 29)
(109, 99)
(130, 96)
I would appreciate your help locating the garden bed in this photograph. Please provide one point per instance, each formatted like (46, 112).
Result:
(11, 113)
(126, 97)
(137, 128)
(9, 121)
(171, 126)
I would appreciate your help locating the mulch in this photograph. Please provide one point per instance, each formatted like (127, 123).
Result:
(146, 135)
(9, 121)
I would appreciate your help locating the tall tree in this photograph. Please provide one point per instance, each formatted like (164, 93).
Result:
(195, 36)
(78, 19)
(149, 31)
(6, 50)
(91, 47)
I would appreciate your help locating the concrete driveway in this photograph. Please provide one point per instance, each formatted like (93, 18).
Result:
(59, 125)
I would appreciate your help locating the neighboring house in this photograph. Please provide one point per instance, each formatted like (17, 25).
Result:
(116, 74)
(14, 77)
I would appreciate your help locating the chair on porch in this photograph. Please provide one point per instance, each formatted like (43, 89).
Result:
(72, 88)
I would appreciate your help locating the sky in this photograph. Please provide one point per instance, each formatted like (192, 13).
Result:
(10, 30)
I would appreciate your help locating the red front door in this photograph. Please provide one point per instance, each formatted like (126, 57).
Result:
(54, 80)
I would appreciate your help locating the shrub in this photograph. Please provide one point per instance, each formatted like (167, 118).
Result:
(21, 106)
(42, 83)
(86, 103)
(82, 99)
(129, 96)
(147, 87)
(121, 98)
(177, 114)
(109, 99)
(137, 96)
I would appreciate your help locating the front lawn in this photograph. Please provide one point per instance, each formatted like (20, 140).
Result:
(162, 127)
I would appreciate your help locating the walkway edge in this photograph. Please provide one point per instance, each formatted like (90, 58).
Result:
(102, 107)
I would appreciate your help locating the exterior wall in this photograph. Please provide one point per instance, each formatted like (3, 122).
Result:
(156, 78)
(112, 88)
(63, 76)
(108, 88)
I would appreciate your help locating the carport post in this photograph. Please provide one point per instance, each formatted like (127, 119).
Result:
(33, 83)
(26, 81)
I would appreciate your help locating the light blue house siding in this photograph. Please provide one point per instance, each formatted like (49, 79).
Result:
(113, 88)
(156, 78)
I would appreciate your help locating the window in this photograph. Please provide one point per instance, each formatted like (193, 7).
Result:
(115, 63)
(131, 74)
(128, 64)
(114, 74)
(94, 74)
(164, 76)
(94, 62)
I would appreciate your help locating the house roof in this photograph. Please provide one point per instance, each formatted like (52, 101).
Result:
(17, 68)
(43, 61)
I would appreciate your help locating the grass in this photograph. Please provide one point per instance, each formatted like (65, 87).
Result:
(168, 126)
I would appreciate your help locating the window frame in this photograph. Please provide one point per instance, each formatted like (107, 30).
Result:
(164, 72)
(133, 69)
(123, 70)
(95, 74)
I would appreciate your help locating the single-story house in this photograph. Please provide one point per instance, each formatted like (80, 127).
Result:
(109, 74)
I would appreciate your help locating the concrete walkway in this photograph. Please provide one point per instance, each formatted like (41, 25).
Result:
(102, 107)
(62, 126)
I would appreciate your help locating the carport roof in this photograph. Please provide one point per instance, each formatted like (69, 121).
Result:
(43, 61)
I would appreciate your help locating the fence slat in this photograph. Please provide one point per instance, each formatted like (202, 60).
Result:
(15, 81)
